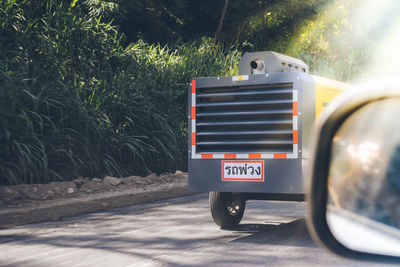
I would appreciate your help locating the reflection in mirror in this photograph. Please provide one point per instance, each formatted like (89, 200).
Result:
(363, 210)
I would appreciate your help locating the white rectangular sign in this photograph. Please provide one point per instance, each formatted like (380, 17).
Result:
(243, 170)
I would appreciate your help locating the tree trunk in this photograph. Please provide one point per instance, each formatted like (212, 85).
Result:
(221, 20)
(239, 31)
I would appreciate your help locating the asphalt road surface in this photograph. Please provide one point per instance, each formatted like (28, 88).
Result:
(176, 232)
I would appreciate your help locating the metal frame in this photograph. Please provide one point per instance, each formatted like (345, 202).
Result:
(243, 80)
(283, 173)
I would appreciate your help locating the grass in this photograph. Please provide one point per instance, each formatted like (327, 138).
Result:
(74, 101)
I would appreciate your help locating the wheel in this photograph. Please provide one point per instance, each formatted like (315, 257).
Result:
(227, 208)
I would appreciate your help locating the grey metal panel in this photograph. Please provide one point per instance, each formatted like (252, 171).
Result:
(271, 78)
(307, 103)
(281, 176)
(273, 62)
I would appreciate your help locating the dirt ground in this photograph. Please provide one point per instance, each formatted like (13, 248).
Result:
(25, 195)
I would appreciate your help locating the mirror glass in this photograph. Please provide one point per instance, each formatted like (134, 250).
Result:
(363, 210)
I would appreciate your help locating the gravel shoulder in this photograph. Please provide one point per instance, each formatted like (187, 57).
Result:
(22, 204)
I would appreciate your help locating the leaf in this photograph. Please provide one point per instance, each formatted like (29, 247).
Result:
(73, 3)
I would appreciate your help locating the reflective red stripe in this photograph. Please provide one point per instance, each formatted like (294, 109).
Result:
(280, 156)
(206, 156)
(254, 156)
(295, 137)
(294, 108)
(230, 156)
(193, 139)
(193, 113)
(193, 86)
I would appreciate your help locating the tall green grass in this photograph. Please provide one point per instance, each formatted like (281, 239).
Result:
(76, 101)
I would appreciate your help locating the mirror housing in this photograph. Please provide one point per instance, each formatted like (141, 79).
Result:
(328, 125)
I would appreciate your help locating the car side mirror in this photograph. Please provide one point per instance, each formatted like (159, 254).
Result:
(354, 179)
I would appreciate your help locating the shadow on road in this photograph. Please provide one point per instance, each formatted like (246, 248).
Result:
(171, 233)
(294, 233)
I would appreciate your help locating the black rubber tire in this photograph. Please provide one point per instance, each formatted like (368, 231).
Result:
(227, 209)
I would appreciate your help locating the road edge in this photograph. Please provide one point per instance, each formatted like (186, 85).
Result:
(78, 206)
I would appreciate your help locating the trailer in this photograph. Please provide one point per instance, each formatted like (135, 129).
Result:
(249, 135)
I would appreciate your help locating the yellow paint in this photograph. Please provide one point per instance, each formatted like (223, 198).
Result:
(323, 96)
(325, 91)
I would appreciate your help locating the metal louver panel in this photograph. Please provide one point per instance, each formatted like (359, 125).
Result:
(245, 119)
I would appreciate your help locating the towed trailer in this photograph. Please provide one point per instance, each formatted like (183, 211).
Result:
(250, 134)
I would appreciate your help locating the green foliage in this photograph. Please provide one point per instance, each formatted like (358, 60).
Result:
(325, 43)
(262, 23)
(93, 87)
(75, 102)
(349, 40)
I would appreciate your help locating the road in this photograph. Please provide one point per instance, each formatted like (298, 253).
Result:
(176, 232)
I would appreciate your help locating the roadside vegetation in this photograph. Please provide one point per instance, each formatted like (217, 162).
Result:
(74, 101)
(93, 88)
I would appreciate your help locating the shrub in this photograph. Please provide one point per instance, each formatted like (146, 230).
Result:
(74, 101)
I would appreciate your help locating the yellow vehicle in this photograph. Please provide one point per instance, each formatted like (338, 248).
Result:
(250, 134)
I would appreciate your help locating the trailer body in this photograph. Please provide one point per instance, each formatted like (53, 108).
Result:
(251, 133)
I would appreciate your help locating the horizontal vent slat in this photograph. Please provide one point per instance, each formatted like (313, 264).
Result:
(249, 149)
(244, 142)
(256, 93)
(245, 132)
(239, 113)
(231, 89)
(244, 122)
(236, 103)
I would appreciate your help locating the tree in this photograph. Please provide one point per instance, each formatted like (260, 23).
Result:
(221, 21)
